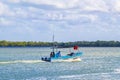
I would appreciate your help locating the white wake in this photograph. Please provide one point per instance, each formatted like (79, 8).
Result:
(21, 61)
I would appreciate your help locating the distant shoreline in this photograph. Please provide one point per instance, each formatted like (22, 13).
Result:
(97, 43)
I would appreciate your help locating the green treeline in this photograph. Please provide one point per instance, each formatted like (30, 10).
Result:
(98, 43)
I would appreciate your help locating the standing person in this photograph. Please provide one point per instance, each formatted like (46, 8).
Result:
(52, 54)
(58, 54)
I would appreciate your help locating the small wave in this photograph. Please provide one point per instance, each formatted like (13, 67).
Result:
(38, 78)
(21, 61)
(117, 70)
(99, 76)
(69, 76)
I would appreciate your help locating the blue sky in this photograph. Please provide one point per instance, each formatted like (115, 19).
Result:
(70, 20)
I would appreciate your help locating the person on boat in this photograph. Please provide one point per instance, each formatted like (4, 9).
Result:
(58, 54)
(52, 54)
(71, 54)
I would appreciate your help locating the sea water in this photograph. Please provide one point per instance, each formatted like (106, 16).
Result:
(24, 64)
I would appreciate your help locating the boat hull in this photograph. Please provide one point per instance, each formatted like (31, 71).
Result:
(67, 58)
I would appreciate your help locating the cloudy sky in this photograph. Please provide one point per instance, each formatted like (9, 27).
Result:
(70, 20)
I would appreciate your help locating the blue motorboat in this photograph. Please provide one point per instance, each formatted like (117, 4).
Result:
(72, 57)
(56, 57)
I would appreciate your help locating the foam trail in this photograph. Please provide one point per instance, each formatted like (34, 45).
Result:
(21, 61)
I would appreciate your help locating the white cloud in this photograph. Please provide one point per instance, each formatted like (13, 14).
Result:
(3, 8)
(83, 16)
(20, 12)
(58, 3)
(80, 4)
(117, 5)
(4, 21)
(14, 1)
(94, 5)
(64, 16)
(33, 9)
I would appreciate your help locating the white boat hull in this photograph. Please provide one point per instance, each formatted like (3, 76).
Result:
(66, 60)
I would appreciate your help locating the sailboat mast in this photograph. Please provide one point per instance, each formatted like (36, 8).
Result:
(53, 43)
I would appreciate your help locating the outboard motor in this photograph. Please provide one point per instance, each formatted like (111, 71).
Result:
(42, 58)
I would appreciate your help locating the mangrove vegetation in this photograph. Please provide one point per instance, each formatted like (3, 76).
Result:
(98, 43)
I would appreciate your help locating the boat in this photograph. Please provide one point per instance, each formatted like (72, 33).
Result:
(57, 57)
(72, 57)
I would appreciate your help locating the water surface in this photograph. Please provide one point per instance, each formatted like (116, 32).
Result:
(25, 64)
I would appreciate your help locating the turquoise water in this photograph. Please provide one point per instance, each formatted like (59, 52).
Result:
(25, 64)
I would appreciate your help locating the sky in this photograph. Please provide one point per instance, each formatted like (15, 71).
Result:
(69, 20)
